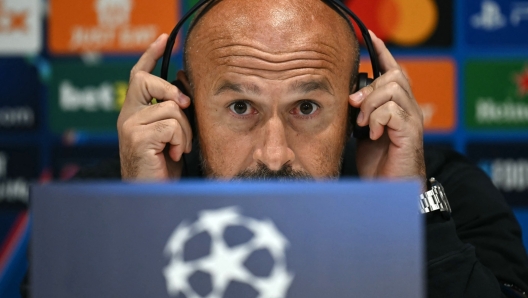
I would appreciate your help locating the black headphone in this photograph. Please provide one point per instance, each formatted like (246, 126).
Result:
(362, 80)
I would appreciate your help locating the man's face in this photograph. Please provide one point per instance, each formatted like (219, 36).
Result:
(271, 81)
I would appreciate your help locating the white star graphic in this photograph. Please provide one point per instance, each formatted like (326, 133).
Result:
(227, 264)
(176, 276)
(276, 285)
(214, 221)
(267, 235)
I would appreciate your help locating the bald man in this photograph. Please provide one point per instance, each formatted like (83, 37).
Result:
(272, 83)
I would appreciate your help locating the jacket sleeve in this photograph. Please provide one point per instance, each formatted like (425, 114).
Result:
(479, 251)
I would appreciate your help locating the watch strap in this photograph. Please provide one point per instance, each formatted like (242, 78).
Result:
(435, 199)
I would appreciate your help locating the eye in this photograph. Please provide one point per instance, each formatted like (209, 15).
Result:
(307, 108)
(241, 108)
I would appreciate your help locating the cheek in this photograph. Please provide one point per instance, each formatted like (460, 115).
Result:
(225, 152)
(320, 154)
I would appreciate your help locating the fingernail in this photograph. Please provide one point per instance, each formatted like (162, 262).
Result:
(372, 33)
(184, 99)
(158, 39)
(357, 97)
(360, 117)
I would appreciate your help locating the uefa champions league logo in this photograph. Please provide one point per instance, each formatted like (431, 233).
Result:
(225, 264)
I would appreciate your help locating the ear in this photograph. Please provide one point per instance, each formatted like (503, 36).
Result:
(182, 77)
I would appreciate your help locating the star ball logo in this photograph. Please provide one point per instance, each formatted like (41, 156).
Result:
(20, 26)
(225, 264)
(407, 22)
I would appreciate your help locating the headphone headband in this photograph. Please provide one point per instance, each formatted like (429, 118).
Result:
(336, 3)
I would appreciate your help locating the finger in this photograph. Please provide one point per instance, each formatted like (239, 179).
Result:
(148, 60)
(390, 92)
(146, 86)
(168, 131)
(393, 75)
(162, 111)
(389, 115)
(385, 58)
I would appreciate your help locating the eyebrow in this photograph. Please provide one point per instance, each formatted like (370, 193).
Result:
(239, 88)
(298, 86)
(309, 86)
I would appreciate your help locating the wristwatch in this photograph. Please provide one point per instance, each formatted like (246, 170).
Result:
(435, 199)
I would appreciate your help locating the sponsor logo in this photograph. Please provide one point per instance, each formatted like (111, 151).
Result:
(395, 21)
(14, 191)
(87, 98)
(508, 174)
(488, 111)
(490, 17)
(12, 20)
(11, 117)
(433, 85)
(225, 264)
(20, 26)
(19, 91)
(108, 25)
(107, 96)
(497, 22)
(11, 190)
(3, 164)
(507, 166)
(497, 94)
(521, 80)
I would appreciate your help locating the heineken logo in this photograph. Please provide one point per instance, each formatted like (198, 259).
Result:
(489, 111)
(497, 94)
(522, 82)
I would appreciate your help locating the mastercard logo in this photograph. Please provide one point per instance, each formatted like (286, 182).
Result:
(401, 22)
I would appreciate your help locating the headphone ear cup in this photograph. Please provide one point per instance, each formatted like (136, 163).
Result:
(357, 131)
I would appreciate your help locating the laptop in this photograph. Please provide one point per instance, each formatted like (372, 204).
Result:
(227, 239)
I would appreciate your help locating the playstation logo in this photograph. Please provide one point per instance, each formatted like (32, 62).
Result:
(489, 18)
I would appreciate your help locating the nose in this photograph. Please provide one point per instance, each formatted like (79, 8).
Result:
(274, 151)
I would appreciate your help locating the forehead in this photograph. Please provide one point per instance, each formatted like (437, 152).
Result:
(275, 28)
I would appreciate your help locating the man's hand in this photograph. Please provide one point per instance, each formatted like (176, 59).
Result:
(395, 147)
(145, 129)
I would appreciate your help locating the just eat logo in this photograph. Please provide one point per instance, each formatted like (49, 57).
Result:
(108, 26)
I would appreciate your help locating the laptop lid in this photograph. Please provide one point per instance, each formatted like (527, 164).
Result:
(215, 239)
